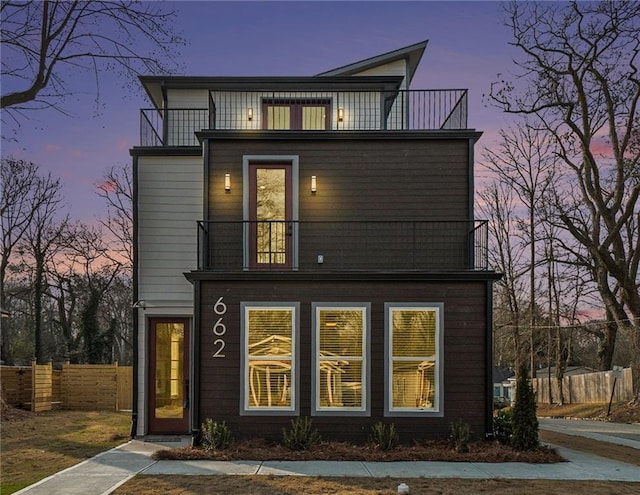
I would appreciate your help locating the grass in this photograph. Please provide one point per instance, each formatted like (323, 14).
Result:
(35, 446)
(290, 485)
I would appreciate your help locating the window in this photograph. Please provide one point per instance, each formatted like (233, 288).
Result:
(413, 359)
(269, 358)
(286, 114)
(340, 351)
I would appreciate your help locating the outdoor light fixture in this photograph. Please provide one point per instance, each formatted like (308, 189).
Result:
(340, 114)
(250, 114)
(227, 182)
(314, 183)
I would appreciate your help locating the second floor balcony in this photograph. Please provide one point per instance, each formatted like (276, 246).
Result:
(381, 246)
(397, 110)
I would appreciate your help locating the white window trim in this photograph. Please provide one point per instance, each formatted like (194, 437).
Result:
(438, 407)
(365, 409)
(294, 408)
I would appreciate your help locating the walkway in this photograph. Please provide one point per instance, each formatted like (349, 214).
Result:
(105, 472)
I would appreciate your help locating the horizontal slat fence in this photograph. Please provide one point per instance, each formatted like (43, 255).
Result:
(76, 386)
(586, 388)
(42, 386)
(16, 384)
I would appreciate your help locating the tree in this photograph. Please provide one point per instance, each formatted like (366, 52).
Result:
(523, 161)
(25, 197)
(116, 189)
(46, 42)
(580, 82)
(525, 422)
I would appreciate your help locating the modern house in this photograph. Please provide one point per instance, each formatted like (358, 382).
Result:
(306, 246)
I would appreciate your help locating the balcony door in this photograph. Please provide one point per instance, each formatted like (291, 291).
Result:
(270, 216)
(168, 375)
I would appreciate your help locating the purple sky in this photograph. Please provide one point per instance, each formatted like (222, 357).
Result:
(467, 47)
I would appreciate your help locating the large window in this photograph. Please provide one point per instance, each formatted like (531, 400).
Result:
(413, 361)
(269, 357)
(340, 350)
(306, 115)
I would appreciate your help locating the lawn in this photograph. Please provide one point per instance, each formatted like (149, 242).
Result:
(35, 446)
(294, 485)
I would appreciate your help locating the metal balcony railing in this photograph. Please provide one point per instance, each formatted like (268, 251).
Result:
(343, 246)
(417, 110)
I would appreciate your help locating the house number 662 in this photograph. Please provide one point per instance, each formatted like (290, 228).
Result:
(219, 328)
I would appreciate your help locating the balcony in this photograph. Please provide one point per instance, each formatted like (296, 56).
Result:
(343, 246)
(399, 110)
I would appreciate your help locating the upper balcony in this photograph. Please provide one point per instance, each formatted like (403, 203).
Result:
(379, 110)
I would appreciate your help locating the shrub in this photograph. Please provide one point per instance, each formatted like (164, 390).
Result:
(459, 435)
(525, 422)
(503, 426)
(215, 436)
(384, 437)
(301, 435)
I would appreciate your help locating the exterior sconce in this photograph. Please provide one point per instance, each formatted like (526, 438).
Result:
(250, 114)
(314, 183)
(227, 182)
(340, 114)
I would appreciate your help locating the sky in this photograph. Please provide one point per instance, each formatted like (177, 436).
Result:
(468, 47)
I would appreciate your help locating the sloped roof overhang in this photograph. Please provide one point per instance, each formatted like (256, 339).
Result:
(156, 86)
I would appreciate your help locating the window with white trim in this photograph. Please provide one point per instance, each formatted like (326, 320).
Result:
(414, 361)
(269, 358)
(340, 351)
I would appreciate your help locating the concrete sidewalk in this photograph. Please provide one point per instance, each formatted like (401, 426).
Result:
(102, 474)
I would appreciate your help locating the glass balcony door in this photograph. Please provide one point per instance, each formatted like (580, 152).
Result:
(270, 206)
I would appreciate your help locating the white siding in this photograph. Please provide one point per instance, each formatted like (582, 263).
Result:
(187, 98)
(169, 195)
(169, 204)
(396, 68)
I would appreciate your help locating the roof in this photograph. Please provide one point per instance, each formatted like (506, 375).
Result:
(340, 79)
(412, 54)
(502, 374)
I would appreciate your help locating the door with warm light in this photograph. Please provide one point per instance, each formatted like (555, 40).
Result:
(169, 375)
(270, 216)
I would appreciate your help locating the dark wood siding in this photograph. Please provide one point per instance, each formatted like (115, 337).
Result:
(464, 353)
(364, 179)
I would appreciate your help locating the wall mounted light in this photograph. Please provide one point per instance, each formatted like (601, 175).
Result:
(314, 183)
(227, 182)
(340, 114)
(250, 114)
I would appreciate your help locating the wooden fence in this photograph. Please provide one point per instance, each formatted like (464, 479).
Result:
(76, 386)
(587, 388)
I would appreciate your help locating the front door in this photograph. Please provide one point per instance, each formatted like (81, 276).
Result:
(169, 375)
(270, 206)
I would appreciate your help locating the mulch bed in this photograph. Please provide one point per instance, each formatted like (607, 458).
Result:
(262, 450)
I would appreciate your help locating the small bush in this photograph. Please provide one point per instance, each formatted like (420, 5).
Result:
(301, 435)
(215, 436)
(460, 435)
(384, 437)
(503, 426)
(525, 422)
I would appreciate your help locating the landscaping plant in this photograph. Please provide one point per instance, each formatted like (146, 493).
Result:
(503, 426)
(301, 435)
(215, 436)
(384, 437)
(460, 435)
(525, 422)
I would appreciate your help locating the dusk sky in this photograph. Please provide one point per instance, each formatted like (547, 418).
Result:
(468, 47)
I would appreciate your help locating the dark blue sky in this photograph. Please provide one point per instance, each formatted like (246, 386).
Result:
(467, 48)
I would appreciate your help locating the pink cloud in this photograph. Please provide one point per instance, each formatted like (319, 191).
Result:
(52, 148)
